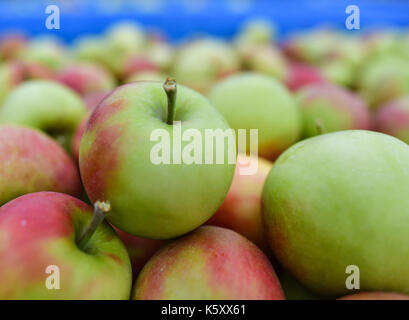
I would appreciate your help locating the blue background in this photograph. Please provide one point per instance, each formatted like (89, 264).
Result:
(179, 18)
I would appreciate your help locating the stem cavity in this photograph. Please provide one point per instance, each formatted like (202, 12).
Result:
(101, 209)
(170, 89)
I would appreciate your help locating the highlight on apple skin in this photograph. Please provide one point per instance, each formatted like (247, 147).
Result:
(42, 229)
(241, 209)
(209, 263)
(31, 162)
(340, 186)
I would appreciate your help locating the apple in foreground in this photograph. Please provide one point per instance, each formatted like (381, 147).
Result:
(341, 199)
(47, 106)
(45, 229)
(209, 263)
(375, 295)
(31, 161)
(150, 196)
(335, 107)
(393, 118)
(254, 101)
(241, 209)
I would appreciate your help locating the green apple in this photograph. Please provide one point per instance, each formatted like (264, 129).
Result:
(198, 64)
(149, 198)
(47, 106)
(339, 200)
(254, 101)
(49, 249)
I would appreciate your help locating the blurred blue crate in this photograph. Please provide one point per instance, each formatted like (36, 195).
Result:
(179, 18)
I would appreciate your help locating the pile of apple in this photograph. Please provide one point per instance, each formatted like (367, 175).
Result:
(80, 196)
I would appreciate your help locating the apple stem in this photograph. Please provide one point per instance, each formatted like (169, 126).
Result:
(170, 89)
(101, 208)
(319, 126)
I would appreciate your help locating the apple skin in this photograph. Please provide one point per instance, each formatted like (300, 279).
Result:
(293, 290)
(11, 74)
(40, 229)
(384, 79)
(254, 101)
(336, 107)
(393, 118)
(94, 98)
(115, 162)
(300, 75)
(198, 64)
(11, 44)
(375, 295)
(140, 250)
(241, 209)
(85, 78)
(31, 161)
(146, 76)
(47, 106)
(340, 199)
(209, 263)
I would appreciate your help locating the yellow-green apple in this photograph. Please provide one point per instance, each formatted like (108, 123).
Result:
(241, 209)
(255, 101)
(86, 78)
(209, 263)
(293, 290)
(198, 64)
(375, 295)
(44, 255)
(152, 194)
(393, 118)
(256, 32)
(11, 74)
(45, 105)
(384, 79)
(335, 107)
(338, 203)
(31, 161)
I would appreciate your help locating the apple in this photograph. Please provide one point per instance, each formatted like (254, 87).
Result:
(11, 44)
(210, 263)
(335, 107)
(153, 199)
(86, 78)
(146, 76)
(140, 250)
(199, 63)
(256, 32)
(45, 105)
(126, 37)
(300, 75)
(241, 209)
(384, 79)
(255, 101)
(138, 63)
(341, 199)
(11, 74)
(92, 99)
(375, 295)
(31, 161)
(393, 118)
(265, 59)
(44, 231)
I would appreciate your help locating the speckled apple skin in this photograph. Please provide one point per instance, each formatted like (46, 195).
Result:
(341, 199)
(40, 229)
(337, 109)
(393, 118)
(241, 209)
(31, 161)
(209, 263)
(151, 200)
